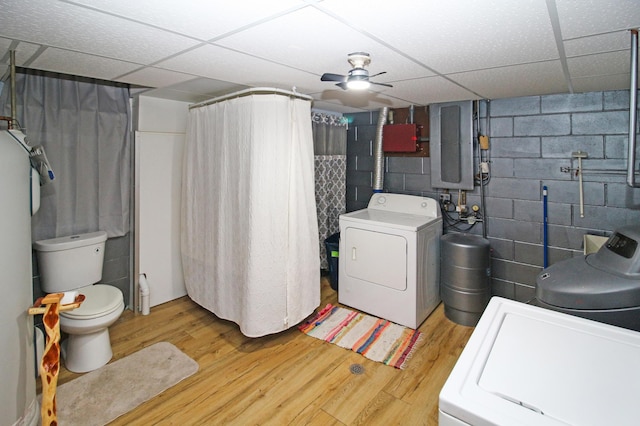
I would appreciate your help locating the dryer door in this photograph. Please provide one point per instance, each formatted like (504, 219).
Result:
(376, 257)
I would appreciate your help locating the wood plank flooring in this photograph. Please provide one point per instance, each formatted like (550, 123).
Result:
(283, 379)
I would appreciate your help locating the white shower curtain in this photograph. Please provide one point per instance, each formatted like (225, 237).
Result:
(249, 224)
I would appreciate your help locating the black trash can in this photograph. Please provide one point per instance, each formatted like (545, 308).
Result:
(332, 247)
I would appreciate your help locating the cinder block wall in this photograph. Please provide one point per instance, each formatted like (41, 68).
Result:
(531, 139)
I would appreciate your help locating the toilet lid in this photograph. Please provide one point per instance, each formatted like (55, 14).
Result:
(100, 299)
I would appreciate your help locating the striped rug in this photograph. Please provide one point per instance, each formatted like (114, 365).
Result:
(377, 339)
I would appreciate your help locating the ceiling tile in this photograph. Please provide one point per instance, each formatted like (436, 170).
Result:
(66, 26)
(223, 64)
(599, 64)
(620, 40)
(196, 18)
(24, 51)
(208, 87)
(153, 77)
(174, 95)
(67, 62)
(430, 90)
(315, 42)
(594, 83)
(518, 80)
(579, 18)
(458, 35)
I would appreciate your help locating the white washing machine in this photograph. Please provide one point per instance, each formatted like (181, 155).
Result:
(526, 365)
(389, 263)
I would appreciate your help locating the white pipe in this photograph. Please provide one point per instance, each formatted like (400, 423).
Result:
(580, 155)
(39, 349)
(144, 294)
(581, 187)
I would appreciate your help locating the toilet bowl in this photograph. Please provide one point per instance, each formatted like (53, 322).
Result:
(88, 345)
(75, 263)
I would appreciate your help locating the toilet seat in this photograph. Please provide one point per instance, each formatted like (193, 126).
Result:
(100, 300)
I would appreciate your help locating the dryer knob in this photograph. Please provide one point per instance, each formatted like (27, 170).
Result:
(382, 200)
(424, 204)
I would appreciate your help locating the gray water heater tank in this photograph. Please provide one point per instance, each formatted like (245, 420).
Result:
(465, 281)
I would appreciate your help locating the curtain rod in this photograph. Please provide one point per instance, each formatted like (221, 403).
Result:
(253, 91)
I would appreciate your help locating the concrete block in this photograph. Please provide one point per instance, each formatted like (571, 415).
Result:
(419, 183)
(394, 182)
(515, 147)
(623, 196)
(600, 123)
(499, 207)
(501, 167)
(501, 249)
(511, 188)
(536, 168)
(542, 125)
(616, 99)
(405, 165)
(515, 230)
(568, 192)
(592, 101)
(564, 146)
(501, 127)
(515, 106)
(503, 288)
(525, 293)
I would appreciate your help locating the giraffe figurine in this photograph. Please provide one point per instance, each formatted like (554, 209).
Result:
(49, 306)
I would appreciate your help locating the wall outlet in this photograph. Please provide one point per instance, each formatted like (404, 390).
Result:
(445, 198)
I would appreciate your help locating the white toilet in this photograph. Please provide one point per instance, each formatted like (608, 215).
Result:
(74, 264)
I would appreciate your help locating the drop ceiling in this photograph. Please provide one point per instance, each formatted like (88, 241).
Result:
(432, 50)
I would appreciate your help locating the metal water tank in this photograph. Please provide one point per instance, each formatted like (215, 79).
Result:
(465, 281)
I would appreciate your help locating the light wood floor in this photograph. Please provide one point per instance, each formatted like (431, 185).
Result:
(283, 379)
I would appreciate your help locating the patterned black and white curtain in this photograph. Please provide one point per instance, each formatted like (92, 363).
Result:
(330, 153)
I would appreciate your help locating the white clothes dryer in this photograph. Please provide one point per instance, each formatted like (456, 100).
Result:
(389, 262)
(526, 365)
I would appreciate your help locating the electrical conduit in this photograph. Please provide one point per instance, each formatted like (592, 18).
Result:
(633, 105)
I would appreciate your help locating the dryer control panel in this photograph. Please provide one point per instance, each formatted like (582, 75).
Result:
(403, 203)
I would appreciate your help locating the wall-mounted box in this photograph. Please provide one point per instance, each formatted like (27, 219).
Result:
(400, 137)
(451, 139)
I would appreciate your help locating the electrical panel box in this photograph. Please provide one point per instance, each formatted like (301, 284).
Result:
(451, 145)
(400, 137)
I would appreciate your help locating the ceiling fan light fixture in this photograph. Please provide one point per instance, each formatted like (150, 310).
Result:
(358, 79)
(358, 84)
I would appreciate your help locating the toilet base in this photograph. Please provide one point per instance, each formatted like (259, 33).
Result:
(87, 352)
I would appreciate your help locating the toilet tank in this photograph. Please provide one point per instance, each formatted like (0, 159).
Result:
(68, 263)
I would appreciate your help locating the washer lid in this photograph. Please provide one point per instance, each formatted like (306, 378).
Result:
(409, 222)
(100, 299)
(531, 366)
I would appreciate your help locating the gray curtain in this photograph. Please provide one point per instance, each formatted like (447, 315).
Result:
(84, 126)
(330, 154)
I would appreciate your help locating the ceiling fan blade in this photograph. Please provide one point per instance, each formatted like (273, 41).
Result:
(333, 77)
(381, 84)
(375, 75)
(342, 85)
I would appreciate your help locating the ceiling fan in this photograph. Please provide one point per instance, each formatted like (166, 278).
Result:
(358, 77)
